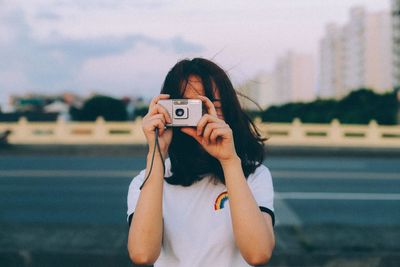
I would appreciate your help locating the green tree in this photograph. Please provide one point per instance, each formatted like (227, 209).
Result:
(109, 108)
(364, 105)
(358, 107)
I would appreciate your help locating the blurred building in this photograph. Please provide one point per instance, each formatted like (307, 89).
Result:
(41, 107)
(295, 74)
(356, 55)
(291, 80)
(29, 102)
(60, 107)
(261, 89)
(331, 76)
(396, 41)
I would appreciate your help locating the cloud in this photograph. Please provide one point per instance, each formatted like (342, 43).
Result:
(138, 71)
(112, 4)
(47, 15)
(58, 62)
(101, 46)
(181, 46)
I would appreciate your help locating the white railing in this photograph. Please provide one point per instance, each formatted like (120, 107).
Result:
(290, 134)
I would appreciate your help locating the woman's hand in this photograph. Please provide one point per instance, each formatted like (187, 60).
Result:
(157, 117)
(213, 134)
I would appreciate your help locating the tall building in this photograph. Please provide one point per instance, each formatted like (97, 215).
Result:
(291, 80)
(378, 51)
(331, 76)
(396, 41)
(354, 48)
(295, 77)
(356, 55)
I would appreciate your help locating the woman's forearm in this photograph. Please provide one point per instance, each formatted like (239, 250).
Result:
(145, 232)
(254, 236)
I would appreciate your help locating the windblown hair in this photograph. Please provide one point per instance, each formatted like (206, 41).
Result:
(189, 161)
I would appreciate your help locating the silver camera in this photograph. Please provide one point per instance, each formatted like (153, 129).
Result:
(183, 112)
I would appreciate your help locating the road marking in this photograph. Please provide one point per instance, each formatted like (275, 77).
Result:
(132, 173)
(284, 214)
(319, 164)
(336, 196)
(333, 175)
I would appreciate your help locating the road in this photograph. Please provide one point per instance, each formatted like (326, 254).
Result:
(93, 189)
(83, 197)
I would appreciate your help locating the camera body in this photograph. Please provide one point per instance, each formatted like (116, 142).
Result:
(183, 112)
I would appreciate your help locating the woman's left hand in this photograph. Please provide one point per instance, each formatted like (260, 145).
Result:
(213, 133)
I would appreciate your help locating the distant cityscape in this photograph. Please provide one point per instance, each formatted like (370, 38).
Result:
(362, 53)
(40, 107)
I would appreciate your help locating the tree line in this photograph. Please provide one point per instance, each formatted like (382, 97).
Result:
(358, 107)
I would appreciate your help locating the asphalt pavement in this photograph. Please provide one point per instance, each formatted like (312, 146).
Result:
(71, 210)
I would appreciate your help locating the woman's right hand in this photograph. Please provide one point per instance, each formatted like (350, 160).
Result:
(157, 117)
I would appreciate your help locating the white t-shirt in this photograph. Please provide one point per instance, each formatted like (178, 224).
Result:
(197, 221)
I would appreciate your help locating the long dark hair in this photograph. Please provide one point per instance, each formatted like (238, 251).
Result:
(189, 162)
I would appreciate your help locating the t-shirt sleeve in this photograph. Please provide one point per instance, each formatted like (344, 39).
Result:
(260, 183)
(134, 192)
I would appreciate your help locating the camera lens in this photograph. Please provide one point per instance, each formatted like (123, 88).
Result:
(179, 112)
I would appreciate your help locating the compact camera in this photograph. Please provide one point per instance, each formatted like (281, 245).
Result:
(183, 112)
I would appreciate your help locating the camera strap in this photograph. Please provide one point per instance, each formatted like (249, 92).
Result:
(156, 145)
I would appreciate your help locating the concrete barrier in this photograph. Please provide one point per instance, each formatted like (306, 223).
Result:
(280, 134)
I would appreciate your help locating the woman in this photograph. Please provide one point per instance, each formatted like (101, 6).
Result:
(213, 205)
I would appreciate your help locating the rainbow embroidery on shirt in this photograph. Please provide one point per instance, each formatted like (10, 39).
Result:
(220, 201)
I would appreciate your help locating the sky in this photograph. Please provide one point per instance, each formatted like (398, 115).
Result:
(125, 48)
